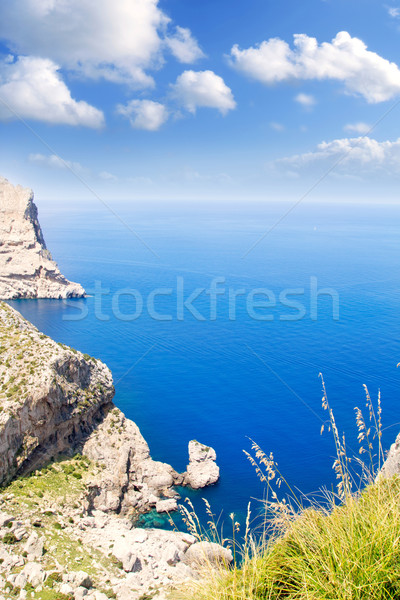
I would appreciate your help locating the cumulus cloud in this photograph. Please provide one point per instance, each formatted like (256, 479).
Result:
(32, 88)
(183, 46)
(194, 89)
(357, 156)
(118, 41)
(345, 59)
(361, 128)
(144, 114)
(306, 100)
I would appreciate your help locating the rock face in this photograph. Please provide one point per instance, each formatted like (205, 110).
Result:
(68, 525)
(391, 466)
(202, 469)
(131, 481)
(56, 400)
(26, 267)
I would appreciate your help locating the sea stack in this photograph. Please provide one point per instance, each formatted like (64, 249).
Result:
(27, 269)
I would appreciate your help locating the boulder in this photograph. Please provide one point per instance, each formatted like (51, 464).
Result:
(202, 469)
(123, 552)
(34, 546)
(35, 573)
(169, 505)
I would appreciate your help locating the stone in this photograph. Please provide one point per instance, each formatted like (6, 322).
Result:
(19, 533)
(21, 580)
(80, 593)
(207, 553)
(123, 552)
(34, 546)
(171, 555)
(99, 596)
(169, 505)
(27, 269)
(79, 579)
(66, 588)
(35, 573)
(5, 519)
(202, 469)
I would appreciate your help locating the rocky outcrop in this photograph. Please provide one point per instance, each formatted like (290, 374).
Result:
(55, 400)
(131, 481)
(202, 469)
(26, 266)
(68, 526)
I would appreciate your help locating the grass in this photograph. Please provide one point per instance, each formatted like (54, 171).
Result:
(46, 497)
(346, 548)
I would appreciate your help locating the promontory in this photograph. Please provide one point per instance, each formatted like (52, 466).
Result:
(27, 269)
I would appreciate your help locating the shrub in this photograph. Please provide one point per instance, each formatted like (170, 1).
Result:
(9, 538)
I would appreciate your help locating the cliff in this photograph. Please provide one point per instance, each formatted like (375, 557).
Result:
(55, 400)
(26, 267)
(75, 474)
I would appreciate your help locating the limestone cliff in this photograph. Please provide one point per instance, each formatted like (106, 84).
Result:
(66, 526)
(26, 267)
(55, 400)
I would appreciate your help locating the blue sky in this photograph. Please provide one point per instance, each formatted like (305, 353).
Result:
(176, 99)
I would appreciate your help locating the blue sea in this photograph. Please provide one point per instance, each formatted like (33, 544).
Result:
(288, 298)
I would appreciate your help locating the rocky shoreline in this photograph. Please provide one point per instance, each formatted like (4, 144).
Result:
(56, 404)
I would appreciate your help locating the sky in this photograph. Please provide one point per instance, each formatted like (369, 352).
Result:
(206, 100)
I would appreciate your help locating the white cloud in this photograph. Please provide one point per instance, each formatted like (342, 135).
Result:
(306, 100)
(144, 114)
(32, 88)
(357, 156)
(194, 89)
(55, 162)
(345, 59)
(118, 41)
(361, 128)
(277, 126)
(183, 46)
(394, 12)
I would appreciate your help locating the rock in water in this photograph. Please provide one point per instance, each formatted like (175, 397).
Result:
(202, 469)
(26, 267)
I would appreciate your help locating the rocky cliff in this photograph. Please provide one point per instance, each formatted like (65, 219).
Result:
(75, 472)
(55, 400)
(26, 267)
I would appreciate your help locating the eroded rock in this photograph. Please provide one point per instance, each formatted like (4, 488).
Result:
(26, 266)
(202, 469)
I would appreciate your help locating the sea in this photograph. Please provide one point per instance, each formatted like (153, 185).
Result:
(216, 320)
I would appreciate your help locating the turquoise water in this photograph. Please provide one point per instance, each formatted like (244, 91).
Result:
(222, 380)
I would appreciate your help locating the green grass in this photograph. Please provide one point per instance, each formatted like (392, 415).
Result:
(349, 553)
